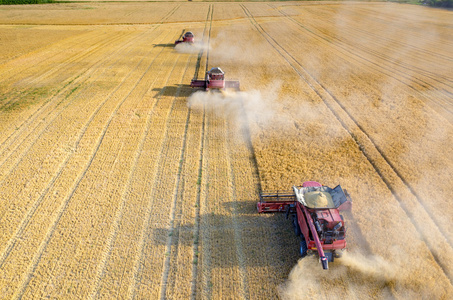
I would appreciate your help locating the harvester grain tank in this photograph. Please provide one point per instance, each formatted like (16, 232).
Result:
(315, 211)
(188, 37)
(215, 79)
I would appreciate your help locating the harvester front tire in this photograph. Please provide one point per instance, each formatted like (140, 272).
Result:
(303, 247)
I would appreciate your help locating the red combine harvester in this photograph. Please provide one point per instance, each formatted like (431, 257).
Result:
(315, 211)
(215, 79)
(188, 37)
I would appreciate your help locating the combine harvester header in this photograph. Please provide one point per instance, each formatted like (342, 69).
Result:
(215, 79)
(188, 38)
(315, 211)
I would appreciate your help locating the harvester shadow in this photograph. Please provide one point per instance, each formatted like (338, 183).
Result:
(180, 90)
(169, 45)
(236, 239)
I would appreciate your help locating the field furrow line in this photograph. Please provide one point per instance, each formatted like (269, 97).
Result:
(441, 97)
(374, 42)
(98, 107)
(69, 85)
(205, 36)
(170, 13)
(177, 191)
(14, 71)
(106, 41)
(204, 285)
(114, 260)
(423, 221)
(152, 205)
(384, 20)
(221, 275)
(28, 61)
(200, 286)
(55, 110)
(27, 81)
(124, 198)
(196, 231)
(62, 208)
(238, 228)
(378, 39)
(379, 150)
(177, 259)
(220, 267)
(69, 88)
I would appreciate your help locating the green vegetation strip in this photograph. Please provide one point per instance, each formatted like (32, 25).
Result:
(10, 2)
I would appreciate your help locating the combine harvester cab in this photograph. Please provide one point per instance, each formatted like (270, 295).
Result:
(188, 37)
(215, 80)
(316, 218)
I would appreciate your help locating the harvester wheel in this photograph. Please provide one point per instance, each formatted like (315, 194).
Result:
(303, 247)
(338, 254)
(296, 226)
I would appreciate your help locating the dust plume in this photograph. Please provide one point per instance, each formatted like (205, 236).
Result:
(191, 48)
(240, 107)
(307, 280)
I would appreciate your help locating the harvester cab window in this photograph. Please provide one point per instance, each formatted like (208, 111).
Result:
(216, 76)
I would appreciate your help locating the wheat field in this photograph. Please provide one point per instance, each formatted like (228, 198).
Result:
(117, 180)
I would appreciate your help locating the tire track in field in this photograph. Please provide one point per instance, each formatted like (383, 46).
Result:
(42, 56)
(31, 212)
(442, 101)
(378, 19)
(83, 55)
(54, 111)
(377, 159)
(236, 229)
(120, 211)
(18, 70)
(196, 232)
(61, 210)
(343, 108)
(36, 205)
(178, 188)
(420, 83)
(68, 88)
(364, 14)
(172, 238)
(206, 247)
(200, 165)
(138, 261)
(371, 49)
(205, 241)
(33, 79)
(200, 53)
(399, 45)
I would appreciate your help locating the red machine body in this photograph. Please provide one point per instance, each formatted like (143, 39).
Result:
(215, 79)
(315, 211)
(188, 37)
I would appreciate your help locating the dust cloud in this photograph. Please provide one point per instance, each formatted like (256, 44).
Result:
(191, 48)
(307, 280)
(239, 106)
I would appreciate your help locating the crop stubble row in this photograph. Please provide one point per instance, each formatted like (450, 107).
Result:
(147, 228)
(433, 243)
(128, 116)
(90, 140)
(430, 225)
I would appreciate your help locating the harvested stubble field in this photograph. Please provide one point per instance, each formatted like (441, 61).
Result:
(118, 181)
